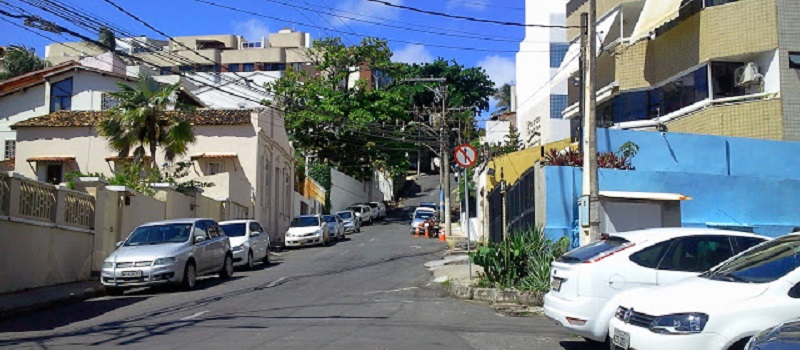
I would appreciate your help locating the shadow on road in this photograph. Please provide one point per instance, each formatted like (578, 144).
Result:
(582, 345)
(63, 316)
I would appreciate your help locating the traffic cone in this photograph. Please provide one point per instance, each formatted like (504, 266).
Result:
(426, 232)
(442, 237)
(416, 234)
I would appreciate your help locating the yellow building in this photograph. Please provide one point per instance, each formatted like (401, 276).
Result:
(719, 67)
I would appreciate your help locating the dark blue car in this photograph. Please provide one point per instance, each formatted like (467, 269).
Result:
(784, 336)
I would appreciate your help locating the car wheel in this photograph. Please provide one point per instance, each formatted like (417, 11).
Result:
(189, 277)
(114, 291)
(326, 240)
(227, 268)
(266, 259)
(249, 265)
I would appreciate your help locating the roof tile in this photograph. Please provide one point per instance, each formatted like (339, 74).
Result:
(66, 119)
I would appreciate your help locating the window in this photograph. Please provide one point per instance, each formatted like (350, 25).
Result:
(255, 227)
(53, 173)
(200, 229)
(594, 250)
(682, 92)
(234, 67)
(710, 3)
(723, 82)
(216, 168)
(768, 263)
(745, 243)
(11, 148)
(166, 70)
(651, 256)
(251, 45)
(557, 105)
(248, 67)
(697, 254)
(213, 229)
(557, 53)
(794, 60)
(61, 95)
(186, 69)
(274, 66)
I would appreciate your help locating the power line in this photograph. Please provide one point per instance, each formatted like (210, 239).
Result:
(487, 5)
(472, 19)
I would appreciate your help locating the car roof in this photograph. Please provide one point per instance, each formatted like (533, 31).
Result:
(665, 233)
(423, 209)
(344, 211)
(308, 216)
(176, 221)
(242, 221)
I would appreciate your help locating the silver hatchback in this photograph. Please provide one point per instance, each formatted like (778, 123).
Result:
(168, 252)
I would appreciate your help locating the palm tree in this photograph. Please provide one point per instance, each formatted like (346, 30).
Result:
(503, 96)
(143, 119)
(18, 60)
(107, 40)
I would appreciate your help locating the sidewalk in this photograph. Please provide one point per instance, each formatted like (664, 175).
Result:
(20, 302)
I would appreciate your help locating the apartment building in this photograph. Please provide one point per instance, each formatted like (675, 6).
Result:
(201, 53)
(719, 67)
(541, 95)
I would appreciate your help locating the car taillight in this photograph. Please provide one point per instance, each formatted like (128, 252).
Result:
(605, 255)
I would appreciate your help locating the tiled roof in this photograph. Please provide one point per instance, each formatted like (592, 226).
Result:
(51, 159)
(67, 119)
(212, 155)
(38, 77)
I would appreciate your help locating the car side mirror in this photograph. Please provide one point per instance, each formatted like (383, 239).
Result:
(118, 244)
(198, 239)
(795, 291)
(255, 234)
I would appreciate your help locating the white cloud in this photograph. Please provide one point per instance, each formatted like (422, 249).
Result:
(413, 54)
(500, 69)
(364, 9)
(476, 5)
(252, 29)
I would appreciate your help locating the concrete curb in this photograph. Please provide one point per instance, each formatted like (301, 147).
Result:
(494, 295)
(88, 293)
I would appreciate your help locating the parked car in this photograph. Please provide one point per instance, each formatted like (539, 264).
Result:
(380, 207)
(335, 226)
(784, 336)
(351, 221)
(719, 309)
(249, 242)
(363, 212)
(307, 230)
(168, 252)
(373, 211)
(431, 205)
(420, 217)
(585, 280)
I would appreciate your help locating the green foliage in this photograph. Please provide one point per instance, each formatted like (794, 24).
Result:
(628, 149)
(321, 173)
(18, 60)
(107, 39)
(143, 119)
(521, 262)
(503, 96)
(139, 177)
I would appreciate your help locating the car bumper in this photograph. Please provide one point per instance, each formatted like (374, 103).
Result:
(349, 228)
(240, 257)
(150, 276)
(583, 308)
(302, 241)
(642, 338)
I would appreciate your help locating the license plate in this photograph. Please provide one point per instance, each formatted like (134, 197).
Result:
(555, 284)
(622, 339)
(131, 273)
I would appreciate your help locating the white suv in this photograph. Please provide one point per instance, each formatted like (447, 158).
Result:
(585, 280)
(720, 309)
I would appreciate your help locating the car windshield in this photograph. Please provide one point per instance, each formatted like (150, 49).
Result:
(373, 205)
(594, 250)
(428, 205)
(234, 230)
(305, 221)
(763, 264)
(329, 218)
(345, 215)
(159, 234)
(423, 215)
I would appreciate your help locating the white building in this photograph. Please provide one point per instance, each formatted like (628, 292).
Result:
(541, 97)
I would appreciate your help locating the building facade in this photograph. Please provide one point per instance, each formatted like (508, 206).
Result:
(540, 96)
(716, 67)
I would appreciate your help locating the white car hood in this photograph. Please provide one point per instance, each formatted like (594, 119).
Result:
(237, 241)
(302, 230)
(694, 294)
(144, 252)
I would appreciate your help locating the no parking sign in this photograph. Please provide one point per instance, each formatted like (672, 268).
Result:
(466, 156)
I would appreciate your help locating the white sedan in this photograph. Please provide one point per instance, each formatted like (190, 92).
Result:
(718, 310)
(308, 230)
(585, 280)
(249, 242)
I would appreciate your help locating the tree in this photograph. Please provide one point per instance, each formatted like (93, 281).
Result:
(512, 140)
(106, 37)
(18, 60)
(503, 96)
(142, 119)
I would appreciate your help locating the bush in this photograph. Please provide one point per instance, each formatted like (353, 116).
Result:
(521, 262)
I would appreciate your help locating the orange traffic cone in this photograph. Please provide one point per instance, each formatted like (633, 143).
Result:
(416, 233)
(426, 232)
(442, 237)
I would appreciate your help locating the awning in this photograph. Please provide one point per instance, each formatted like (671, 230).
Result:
(51, 159)
(571, 62)
(214, 155)
(654, 196)
(655, 14)
(128, 158)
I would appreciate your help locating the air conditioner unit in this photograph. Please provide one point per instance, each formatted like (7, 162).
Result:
(747, 75)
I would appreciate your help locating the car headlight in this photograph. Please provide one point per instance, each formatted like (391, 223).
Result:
(237, 248)
(108, 264)
(318, 232)
(679, 323)
(164, 261)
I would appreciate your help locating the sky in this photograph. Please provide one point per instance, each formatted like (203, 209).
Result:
(413, 37)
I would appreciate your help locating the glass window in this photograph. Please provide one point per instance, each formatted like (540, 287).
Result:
(233, 67)
(234, 229)
(630, 106)
(329, 218)
(186, 69)
(794, 60)
(651, 256)
(54, 173)
(159, 234)
(764, 264)
(697, 254)
(11, 149)
(61, 95)
(557, 53)
(216, 168)
(745, 243)
(248, 67)
(710, 3)
(166, 70)
(305, 221)
(557, 105)
(723, 81)
(345, 214)
(200, 229)
(212, 229)
(594, 250)
(682, 92)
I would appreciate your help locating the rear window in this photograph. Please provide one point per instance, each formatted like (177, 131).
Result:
(594, 250)
(234, 230)
(373, 205)
(345, 215)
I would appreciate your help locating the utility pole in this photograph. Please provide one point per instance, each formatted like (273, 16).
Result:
(445, 137)
(590, 191)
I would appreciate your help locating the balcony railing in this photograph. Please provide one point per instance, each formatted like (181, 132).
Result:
(36, 201)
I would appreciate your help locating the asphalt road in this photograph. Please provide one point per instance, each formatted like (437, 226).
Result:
(369, 292)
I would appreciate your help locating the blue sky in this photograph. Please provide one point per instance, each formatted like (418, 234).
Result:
(192, 17)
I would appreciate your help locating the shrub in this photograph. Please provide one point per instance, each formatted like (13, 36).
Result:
(521, 262)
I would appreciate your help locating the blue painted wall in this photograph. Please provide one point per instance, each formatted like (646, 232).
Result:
(733, 181)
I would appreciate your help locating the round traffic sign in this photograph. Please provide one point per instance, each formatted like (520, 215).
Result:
(466, 156)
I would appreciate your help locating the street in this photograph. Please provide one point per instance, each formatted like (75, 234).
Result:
(369, 292)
